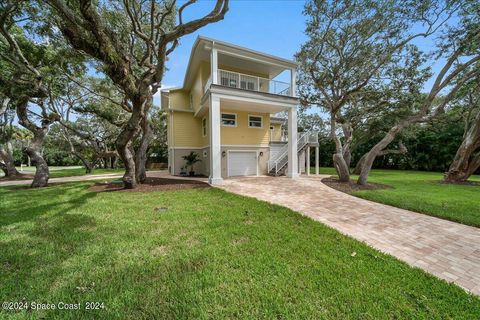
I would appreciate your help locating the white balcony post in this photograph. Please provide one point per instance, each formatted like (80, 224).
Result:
(215, 147)
(292, 144)
(293, 82)
(317, 157)
(214, 65)
(308, 161)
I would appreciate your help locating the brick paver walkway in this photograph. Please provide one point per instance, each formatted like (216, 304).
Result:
(449, 250)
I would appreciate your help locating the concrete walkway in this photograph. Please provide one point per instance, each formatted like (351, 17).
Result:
(446, 249)
(64, 179)
(107, 176)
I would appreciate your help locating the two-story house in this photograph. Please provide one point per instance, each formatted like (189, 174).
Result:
(225, 113)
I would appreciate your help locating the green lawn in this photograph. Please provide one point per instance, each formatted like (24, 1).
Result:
(81, 172)
(212, 255)
(71, 171)
(423, 192)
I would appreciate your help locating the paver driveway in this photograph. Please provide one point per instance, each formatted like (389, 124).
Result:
(446, 249)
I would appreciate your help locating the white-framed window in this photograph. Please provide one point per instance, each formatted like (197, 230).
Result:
(255, 121)
(204, 127)
(229, 119)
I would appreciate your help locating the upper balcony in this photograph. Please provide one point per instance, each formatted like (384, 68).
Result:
(237, 75)
(249, 82)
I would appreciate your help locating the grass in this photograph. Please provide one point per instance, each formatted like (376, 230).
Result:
(212, 255)
(69, 171)
(422, 192)
(81, 172)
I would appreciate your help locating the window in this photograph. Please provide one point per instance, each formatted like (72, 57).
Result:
(229, 119)
(255, 122)
(204, 127)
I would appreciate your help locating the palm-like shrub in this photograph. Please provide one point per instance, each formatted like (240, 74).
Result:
(190, 160)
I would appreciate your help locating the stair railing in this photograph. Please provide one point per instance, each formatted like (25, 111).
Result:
(282, 157)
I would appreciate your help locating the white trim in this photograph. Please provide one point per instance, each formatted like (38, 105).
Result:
(224, 146)
(214, 64)
(293, 82)
(188, 148)
(254, 97)
(228, 154)
(292, 144)
(254, 115)
(227, 125)
(308, 161)
(180, 110)
(283, 103)
(214, 121)
(245, 145)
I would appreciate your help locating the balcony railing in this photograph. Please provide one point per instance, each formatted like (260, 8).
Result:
(252, 83)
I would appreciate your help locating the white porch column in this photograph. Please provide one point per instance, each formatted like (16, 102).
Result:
(214, 137)
(317, 156)
(214, 65)
(292, 144)
(293, 82)
(308, 161)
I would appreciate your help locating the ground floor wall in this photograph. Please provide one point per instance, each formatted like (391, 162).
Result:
(176, 161)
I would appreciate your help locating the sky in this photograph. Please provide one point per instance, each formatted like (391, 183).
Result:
(271, 26)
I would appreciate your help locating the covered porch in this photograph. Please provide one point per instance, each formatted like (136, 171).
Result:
(217, 99)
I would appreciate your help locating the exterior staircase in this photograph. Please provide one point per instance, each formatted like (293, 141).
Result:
(277, 165)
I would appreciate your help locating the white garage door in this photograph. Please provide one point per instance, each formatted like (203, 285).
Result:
(242, 163)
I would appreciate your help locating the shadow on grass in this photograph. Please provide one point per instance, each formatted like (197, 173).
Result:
(21, 204)
(40, 233)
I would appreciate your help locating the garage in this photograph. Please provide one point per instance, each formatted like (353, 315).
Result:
(242, 163)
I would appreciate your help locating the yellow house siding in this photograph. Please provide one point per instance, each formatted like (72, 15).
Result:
(201, 79)
(179, 100)
(242, 134)
(169, 129)
(187, 130)
(276, 133)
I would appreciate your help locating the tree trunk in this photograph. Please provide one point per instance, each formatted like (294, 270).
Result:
(347, 156)
(7, 159)
(34, 152)
(141, 152)
(375, 152)
(141, 155)
(124, 142)
(341, 168)
(34, 149)
(89, 166)
(338, 160)
(466, 159)
(358, 167)
(348, 136)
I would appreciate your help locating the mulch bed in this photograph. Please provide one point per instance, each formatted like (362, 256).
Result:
(150, 185)
(352, 186)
